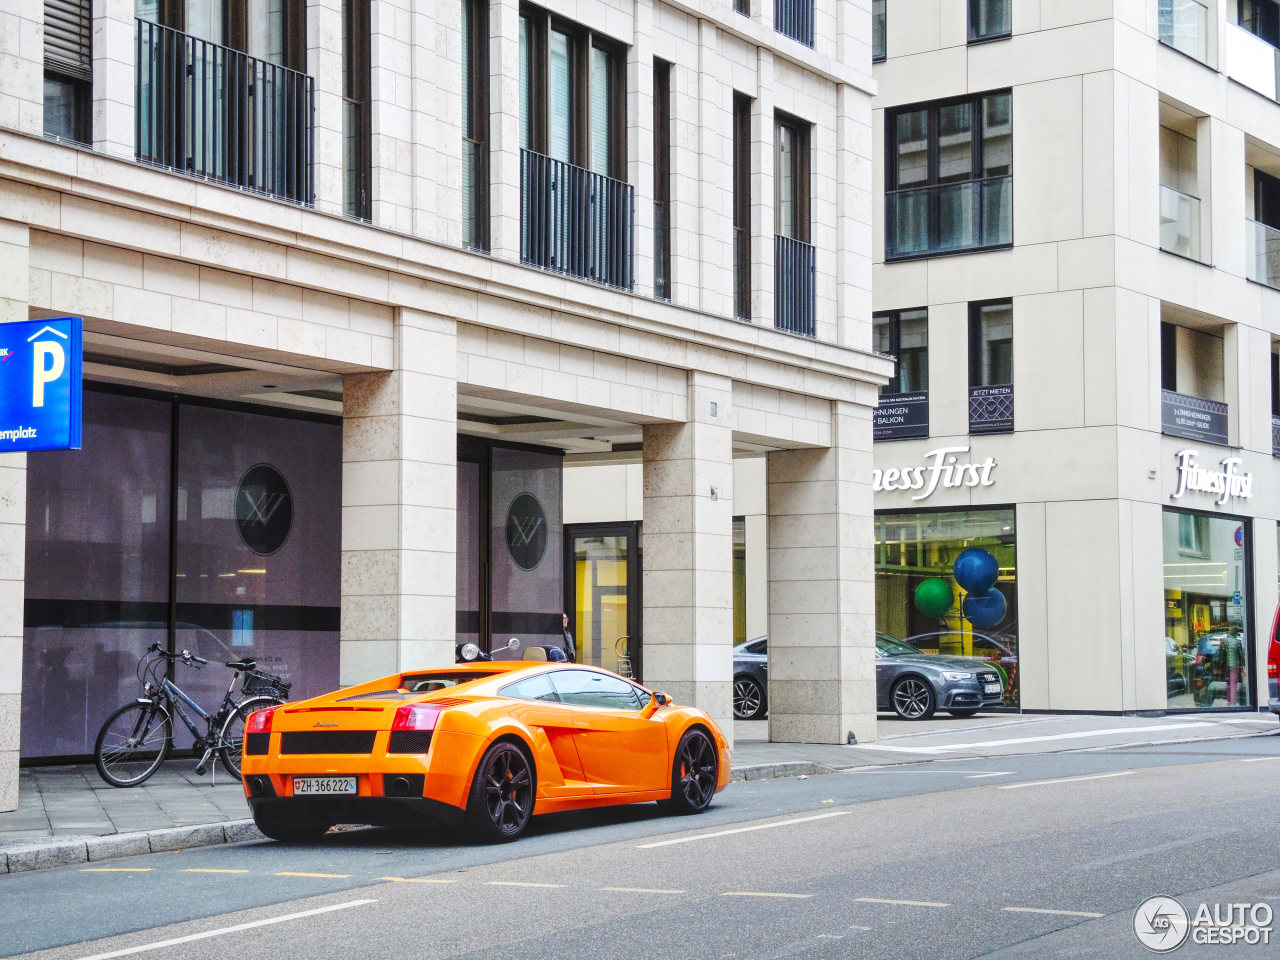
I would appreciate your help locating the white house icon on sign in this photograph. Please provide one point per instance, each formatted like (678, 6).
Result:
(46, 372)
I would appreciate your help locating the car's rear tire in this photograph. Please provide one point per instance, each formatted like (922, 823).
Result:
(502, 794)
(694, 773)
(748, 699)
(964, 714)
(292, 830)
(912, 698)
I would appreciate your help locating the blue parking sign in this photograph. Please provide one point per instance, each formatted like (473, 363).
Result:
(40, 383)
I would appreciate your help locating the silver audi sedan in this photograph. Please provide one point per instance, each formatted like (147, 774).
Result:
(914, 685)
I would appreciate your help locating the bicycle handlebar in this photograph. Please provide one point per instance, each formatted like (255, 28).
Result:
(186, 656)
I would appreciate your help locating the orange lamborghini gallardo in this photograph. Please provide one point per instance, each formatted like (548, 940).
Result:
(482, 744)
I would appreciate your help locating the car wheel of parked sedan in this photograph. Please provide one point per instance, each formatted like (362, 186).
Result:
(501, 800)
(748, 699)
(963, 714)
(693, 774)
(293, 830)
(913, 699)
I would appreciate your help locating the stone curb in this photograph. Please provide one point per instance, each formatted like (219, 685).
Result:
(42, 854)
(773, 771)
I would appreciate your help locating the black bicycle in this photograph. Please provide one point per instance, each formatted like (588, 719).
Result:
(138, 737)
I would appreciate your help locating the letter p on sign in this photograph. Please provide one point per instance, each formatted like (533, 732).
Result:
(50, 360)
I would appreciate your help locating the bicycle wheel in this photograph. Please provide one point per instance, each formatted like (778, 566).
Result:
(132, 744)
(233, 731)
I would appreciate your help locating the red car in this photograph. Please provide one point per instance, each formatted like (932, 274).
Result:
(1273, 666)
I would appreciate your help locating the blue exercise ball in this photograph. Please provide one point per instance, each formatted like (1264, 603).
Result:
(985, 610)
(976, 570)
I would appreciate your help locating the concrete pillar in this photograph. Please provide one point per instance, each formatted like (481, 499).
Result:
(437, 120)
(822, 671)
(399, 505)
(504, 129)
(640, 142)
(854, 216)
(22, 66)
(762, 192)
(115, 45)
(324, 63)
(686, 146)
(715, 172)
(688, 551)
(391, 65)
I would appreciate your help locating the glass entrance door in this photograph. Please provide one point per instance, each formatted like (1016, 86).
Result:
(602, 594)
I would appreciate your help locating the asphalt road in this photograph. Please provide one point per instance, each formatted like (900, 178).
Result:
(1044, 856)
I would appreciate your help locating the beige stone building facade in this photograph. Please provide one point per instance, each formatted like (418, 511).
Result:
(382, 267)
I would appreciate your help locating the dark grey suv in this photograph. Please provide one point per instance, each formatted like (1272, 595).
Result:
(910, 683)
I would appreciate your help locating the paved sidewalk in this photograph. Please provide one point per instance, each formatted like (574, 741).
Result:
(67, 814)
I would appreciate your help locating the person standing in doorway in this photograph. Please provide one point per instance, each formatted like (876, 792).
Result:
(1234, 658)
(570, 650)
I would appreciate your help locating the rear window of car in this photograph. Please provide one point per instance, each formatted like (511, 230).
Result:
(416, 684)
(530, 688)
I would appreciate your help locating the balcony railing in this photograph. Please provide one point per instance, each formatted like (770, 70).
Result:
(794, 19)
(1184, 25)
(1262, 253)
(576, 222)
(475, 194)
(1275, 435)
(991, 409)
(223, 115)
(1179, 222)
(948, 218)
(793, 286)
(1193, 418)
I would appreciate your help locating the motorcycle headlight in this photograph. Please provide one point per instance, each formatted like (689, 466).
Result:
(958, 676)
(469, 651)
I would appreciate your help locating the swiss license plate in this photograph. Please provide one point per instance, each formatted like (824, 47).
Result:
(991, 688)
(309, 786)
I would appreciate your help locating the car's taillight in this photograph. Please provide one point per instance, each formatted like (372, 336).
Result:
(260, 721)
(1273, 670)
(419, 716)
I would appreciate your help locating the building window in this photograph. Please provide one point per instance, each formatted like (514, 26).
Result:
(1192, 384)
(903, 411)
(793, 257)
(741, 206)
(739, 580)
(68, 69)
(475, 119)
(1184, 25)
(1179, 194)
(1259, 17)
(743, 7)
(989, 20)
(878, 25)
(794, 19)
(1275, 400)
(949, 176)
(991, 367)
(661, 179)
(357, 127)
(1262, 234)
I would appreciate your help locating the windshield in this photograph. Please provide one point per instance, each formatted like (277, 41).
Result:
(893, 647)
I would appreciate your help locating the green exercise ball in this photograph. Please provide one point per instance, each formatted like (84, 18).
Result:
(934, 597)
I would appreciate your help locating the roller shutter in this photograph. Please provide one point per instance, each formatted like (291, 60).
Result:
(67, 28)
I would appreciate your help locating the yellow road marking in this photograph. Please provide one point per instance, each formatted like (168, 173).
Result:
(322, 876)
(1059, 913)
(419, 879)
(637, 890)
(902, 903)
(211, 870)
(514, 883)
(116, 869)
(756, 893)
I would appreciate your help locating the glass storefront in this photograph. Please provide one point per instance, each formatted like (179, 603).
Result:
(1206, 611)
(946, 583)
(603, 577)
(237, 555)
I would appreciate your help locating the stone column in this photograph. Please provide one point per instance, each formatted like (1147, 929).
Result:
(504, 129)
(715, 172)
(437, 120)
(854, 215)
(688, 551)
(22, 66)
(391, 65)
(822, 671)
(324, 63)
(640, 134)
(115, 46)
(399, 505)
(763, 215)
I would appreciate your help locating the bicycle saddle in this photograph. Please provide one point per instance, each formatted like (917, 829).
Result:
(245, 664)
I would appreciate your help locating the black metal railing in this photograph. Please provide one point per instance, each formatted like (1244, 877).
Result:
(475, 194)
(661, 251)
(971, 215)
(794, 19)
(793, 286)
(575, 221)
(223, 115)
(742, 273)
(1275, 435)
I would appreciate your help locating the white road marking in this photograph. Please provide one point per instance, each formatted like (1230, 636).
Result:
(1078, 735)
(517, 883)
(983, 776)
(211, 870)
(1058, 913)
(755, 893)
(1045, 783)
(725, 833)
(1258, 759)
(419, 879)
(901, 903)
(116, 869)
(319, 876)
(159, 945)
(637, 890)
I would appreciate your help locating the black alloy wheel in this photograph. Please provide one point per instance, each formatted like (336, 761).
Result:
(694, 773)
(748, 699)
(502, 794)
(913, 699)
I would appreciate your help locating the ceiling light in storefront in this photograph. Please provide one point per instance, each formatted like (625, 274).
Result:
(223, 576)
(252, 571)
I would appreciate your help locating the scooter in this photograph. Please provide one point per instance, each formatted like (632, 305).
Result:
(471, 653)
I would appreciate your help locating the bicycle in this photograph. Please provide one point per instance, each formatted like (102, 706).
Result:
(137, 738)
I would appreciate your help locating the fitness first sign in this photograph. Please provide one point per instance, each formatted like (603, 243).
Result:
(1223, 483)
(942, 468)
(40, 381)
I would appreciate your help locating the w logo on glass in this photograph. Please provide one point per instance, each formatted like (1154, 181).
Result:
(264, 509)
(526, 531)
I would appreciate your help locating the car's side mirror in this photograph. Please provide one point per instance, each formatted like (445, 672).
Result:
(661, 698)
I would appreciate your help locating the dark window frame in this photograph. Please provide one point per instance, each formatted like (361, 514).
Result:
(476, 124)
(235, 27)
(975, 342)
(357, 87)
(1260, 18)
(662, 178)
(802, 199)
(894, 318)
(742, 286)
(880, 37)
(1168, 356)
(973, 8)
(68, 60)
